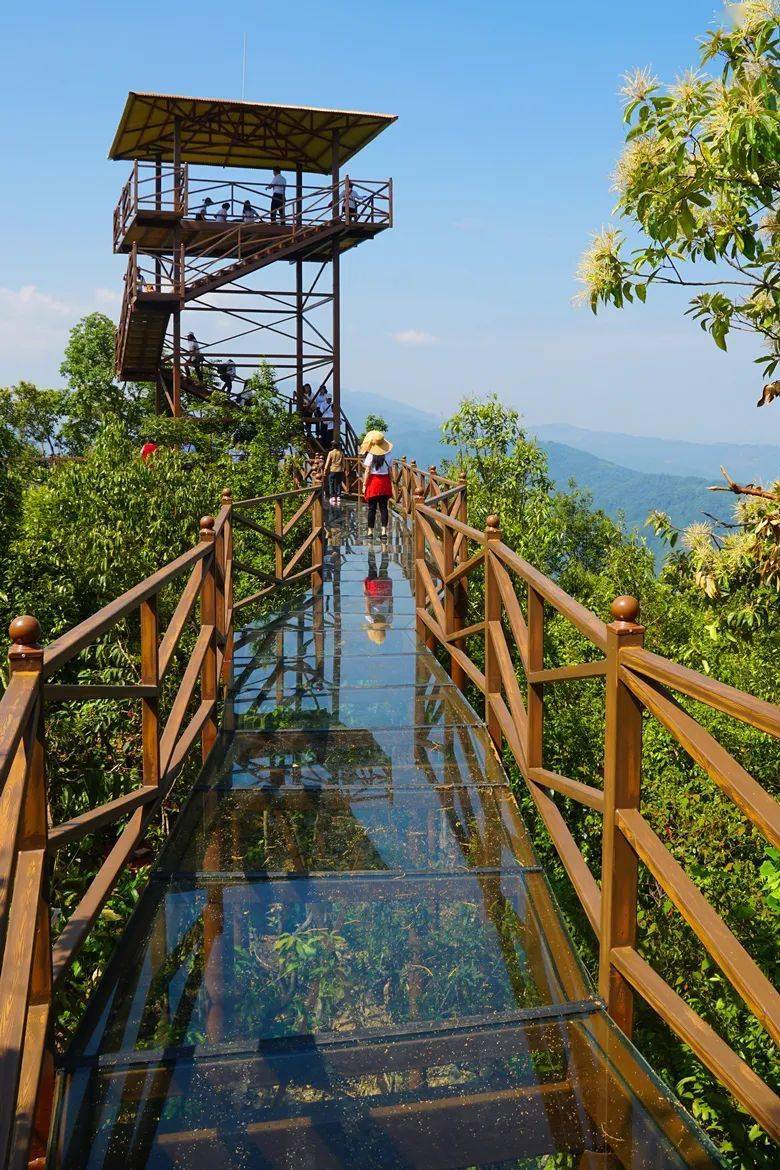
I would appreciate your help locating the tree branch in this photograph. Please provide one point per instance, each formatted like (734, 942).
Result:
(747, 489)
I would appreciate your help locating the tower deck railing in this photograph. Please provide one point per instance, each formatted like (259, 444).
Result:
(149, 190)
(485, 608)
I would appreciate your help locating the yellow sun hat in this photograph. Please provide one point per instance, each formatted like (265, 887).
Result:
(375, 443)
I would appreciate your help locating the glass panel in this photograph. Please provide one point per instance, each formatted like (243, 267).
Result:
(361, 707)
(303, 641)
(219, 963)
(508, 1097)
(430, 828)
(289, 675)
(425, 755)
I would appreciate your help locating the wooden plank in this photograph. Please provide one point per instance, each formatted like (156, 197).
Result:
(80, 922)
(179, 618)
(566, 673)
(66, 647)
(251, 502)
(583, 881)
(12, 800)
(16, 708)
(514, 613)
(465, 632)
(576, 789)
(186, 741)
(298, 556)
(304, 508)
(34, 1048)
(714, 1053)
(432, 594)
(15, 981)
(475, 534)
(237, 605)
(242, 567)
(509, 679)
(732, 958)
(586, 622)
(473, 671)
(245, 522)
(434, 545)
(757, 712)
(720, 765)
(96, 818)
(183, 695)
(55, 693)
(622, 789)
(465, 567)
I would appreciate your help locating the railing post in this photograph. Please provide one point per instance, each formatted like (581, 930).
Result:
(535, 698)
(278, 546)
(432, 485)
(318, 526)
(419, 555)
(208, 617)
(25, 656)
(452, 610)
(150, 707)
(492, 614)
(226, 554)
(622, 789)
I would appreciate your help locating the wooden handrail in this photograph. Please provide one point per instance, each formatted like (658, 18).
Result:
(30, 967)
(635, 681)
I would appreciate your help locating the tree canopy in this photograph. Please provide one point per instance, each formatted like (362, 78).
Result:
(698, 182)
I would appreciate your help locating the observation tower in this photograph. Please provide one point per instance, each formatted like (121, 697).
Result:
(204, 235)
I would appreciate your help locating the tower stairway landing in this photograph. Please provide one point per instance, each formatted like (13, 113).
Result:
(349, 955)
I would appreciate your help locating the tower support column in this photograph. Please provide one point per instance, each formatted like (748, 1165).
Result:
(335, 265)
(299, 295)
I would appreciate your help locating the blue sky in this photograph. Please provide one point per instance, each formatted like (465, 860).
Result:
(509, 126)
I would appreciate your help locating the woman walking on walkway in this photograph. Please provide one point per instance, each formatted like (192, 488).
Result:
(377, 485)
(334, 470)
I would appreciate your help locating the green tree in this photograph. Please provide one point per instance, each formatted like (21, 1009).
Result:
(374, 422)
(93, 396)
(698, 179)
(33, 415)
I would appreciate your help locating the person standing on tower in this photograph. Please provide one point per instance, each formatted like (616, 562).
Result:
(277, 187)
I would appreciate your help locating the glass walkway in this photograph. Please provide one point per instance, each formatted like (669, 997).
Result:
(348, 955)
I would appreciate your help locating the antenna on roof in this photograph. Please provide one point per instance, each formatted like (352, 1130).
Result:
(243, 73)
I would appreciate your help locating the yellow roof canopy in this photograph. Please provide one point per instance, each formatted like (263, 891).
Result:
(242, 134)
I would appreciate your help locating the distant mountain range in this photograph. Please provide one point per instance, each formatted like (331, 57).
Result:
(748, 463)
(627, 475)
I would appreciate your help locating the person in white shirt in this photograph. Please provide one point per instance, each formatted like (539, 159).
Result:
(202, 212)
(194, 357)
(222, 214)
(327, 421)
(277, 187)
(377, 482)
(248, 213)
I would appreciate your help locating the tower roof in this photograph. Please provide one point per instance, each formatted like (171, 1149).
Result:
(241, 134)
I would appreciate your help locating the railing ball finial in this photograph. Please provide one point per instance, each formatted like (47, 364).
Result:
(207, 528)
(493, 527)
(25, 652)
(625, 608)
(227, 496)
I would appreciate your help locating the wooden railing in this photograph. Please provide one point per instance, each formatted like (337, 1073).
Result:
(454, 563)
(31, 965)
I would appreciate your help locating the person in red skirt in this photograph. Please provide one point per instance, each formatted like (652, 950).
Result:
(377, 485)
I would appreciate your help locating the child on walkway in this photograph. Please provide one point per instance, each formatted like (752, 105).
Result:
(377, 485)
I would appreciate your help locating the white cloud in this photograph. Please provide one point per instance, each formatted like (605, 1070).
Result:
(108, 297)
(414, 337)
(34, 328)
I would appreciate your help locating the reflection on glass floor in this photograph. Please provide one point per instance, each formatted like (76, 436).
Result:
(348, 956)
